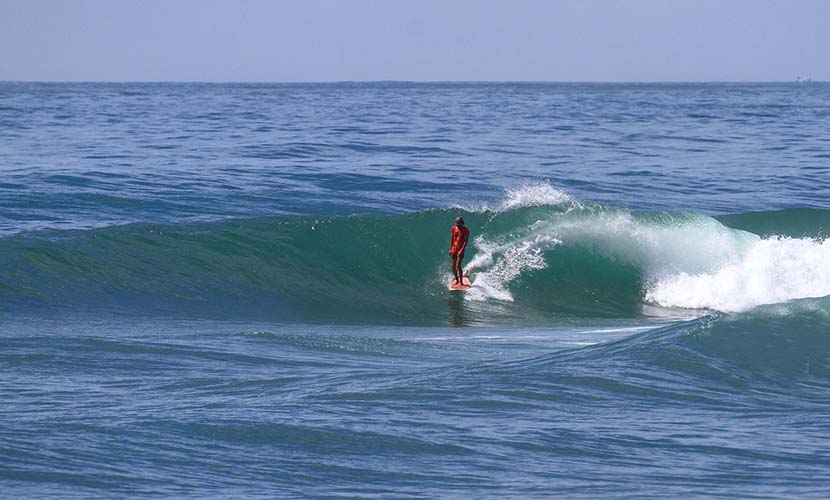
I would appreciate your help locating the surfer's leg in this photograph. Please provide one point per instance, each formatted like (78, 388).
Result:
(460, 270)
(454, 262)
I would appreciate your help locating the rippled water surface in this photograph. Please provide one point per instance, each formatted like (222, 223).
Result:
(114, 153)
(223, 290)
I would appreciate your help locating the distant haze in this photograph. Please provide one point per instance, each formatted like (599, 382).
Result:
(418, 40)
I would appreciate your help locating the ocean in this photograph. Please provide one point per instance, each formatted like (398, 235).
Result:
(240, 290)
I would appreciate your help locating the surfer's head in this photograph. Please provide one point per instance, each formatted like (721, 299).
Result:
(459, 221)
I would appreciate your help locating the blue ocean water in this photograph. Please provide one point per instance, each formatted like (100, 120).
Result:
(239, 290)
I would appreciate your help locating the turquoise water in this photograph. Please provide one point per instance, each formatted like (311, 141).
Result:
(240, 290)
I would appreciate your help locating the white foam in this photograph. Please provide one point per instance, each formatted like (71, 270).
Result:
(500, 264)
(534, 194)
(772, 271)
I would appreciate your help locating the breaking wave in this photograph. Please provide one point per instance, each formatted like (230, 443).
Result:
(540, 257)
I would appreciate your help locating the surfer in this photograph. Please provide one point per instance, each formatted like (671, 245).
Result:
(458, 244)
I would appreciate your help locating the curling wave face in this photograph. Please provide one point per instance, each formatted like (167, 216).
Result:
(539, 257)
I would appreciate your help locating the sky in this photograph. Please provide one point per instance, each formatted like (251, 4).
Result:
(416, 40)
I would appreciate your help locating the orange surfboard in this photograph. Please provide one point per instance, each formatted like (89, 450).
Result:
(465, 284)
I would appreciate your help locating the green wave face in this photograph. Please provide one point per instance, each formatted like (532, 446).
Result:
(793, 222)
(530, 265)
(371, 268)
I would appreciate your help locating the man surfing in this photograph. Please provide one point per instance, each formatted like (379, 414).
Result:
(458, 243)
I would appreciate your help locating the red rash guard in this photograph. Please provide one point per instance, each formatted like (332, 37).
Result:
(459, 238)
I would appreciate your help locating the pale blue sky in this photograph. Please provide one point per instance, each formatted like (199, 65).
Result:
(423, 40)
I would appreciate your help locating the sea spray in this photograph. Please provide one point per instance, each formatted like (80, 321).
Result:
(534, 194)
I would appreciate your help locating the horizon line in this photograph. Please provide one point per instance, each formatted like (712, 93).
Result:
(335, 82)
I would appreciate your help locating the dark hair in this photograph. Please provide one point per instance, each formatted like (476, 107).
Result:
(459, 219)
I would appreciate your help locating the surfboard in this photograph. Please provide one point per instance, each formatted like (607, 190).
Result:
(465, 284)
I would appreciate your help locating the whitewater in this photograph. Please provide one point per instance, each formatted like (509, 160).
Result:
(239, 290)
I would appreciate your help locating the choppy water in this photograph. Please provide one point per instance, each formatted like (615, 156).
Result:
(239, 290)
